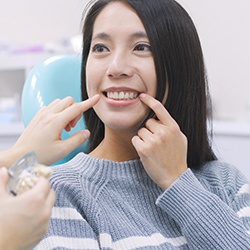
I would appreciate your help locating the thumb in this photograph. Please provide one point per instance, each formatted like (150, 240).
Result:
(76, 140)
(4, 178)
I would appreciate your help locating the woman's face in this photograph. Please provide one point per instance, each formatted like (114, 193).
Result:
(120, 66)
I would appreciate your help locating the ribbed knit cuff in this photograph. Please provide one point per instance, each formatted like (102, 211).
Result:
(186, 199)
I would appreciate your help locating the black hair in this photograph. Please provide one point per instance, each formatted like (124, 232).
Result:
(180, 70)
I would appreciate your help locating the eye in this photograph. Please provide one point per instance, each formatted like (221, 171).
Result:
(143, 47)
(99, 48)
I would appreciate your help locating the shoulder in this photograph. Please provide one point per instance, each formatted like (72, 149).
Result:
(220, 171)
(81, 174)
(66, 175)
(70, 169)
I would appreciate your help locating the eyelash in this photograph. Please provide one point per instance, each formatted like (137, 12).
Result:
(97, 47)
(147, 46)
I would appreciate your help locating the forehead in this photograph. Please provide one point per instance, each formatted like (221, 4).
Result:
(117, 16)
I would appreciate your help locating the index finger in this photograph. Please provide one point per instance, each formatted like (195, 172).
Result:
(160, 111)
(75, 110)
(89, 103)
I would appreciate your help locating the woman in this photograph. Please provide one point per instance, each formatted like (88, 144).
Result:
(151, 180)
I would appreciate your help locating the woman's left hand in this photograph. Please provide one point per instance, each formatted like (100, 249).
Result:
(161, 145)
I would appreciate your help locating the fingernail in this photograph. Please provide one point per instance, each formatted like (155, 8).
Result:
(86, 134)
(94, 96)
(3, 170)
(142, 95)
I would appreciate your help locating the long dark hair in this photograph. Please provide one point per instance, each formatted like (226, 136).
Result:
(180, 69)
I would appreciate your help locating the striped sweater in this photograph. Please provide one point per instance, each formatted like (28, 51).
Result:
(115, 205)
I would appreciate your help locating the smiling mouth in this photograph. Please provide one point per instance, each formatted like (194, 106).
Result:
(121, 96)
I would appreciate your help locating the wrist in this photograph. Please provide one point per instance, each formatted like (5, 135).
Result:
(10, 156)
(171, 179)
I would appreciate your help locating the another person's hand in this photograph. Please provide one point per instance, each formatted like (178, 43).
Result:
(43, 133)
(161, 145)
(24, 218)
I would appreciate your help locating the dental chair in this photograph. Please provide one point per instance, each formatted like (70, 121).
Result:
(55, 77)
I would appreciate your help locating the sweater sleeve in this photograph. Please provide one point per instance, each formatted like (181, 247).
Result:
(205, 220)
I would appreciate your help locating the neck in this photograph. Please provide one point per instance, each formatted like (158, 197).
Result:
(115, 147)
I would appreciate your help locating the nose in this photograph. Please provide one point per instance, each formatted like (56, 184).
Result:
(119, 66)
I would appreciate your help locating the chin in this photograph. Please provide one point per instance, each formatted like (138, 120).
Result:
(124, 126)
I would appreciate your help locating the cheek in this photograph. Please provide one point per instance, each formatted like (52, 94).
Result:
(150, 77)
(87, 77)
(153, 88)
(151, 84)
(90, 79)
(88, 86)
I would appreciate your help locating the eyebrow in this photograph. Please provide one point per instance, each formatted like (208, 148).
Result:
(105, 36)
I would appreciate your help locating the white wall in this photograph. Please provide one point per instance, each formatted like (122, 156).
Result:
(32, 21)
(224, 29)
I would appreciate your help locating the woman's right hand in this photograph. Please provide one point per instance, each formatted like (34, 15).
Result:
(24, 218)
(43, 133)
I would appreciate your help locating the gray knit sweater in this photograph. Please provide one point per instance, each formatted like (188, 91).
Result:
(109, 205)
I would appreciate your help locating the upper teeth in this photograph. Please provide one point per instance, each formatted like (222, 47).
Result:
(122, 95)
